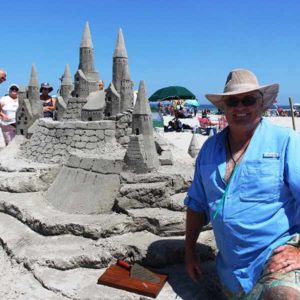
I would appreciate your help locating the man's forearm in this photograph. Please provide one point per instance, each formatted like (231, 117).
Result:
(194, 223)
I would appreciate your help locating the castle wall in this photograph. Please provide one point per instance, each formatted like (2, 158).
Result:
(74, 107)
(88, 115)
(53, 140)
(86, 178)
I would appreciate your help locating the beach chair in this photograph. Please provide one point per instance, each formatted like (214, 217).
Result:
(205, 127)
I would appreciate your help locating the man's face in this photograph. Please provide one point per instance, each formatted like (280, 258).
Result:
(2, 76)
(243, 111)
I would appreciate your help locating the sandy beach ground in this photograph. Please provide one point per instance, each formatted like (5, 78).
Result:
(182, 139)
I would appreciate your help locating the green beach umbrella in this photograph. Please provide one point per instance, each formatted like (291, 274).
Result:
(171, 93)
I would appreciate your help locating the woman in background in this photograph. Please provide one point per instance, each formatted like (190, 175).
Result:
(8, 107)
(49, 103)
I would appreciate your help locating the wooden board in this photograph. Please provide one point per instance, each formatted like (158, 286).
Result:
(118, 277)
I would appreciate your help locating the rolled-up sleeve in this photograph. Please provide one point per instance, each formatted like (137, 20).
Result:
(196, 198)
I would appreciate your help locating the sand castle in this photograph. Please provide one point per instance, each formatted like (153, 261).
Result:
(94, 186)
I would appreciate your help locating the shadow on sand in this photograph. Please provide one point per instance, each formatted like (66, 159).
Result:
(167, 256)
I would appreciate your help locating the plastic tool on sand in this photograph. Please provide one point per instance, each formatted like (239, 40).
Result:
(135, 278)
(139, 272)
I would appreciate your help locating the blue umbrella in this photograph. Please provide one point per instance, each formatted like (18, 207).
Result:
(191, 102)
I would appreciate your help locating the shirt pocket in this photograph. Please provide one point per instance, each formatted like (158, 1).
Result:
(260, 181)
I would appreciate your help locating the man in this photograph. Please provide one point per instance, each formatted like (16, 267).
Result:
(247, 184)
(2, 75)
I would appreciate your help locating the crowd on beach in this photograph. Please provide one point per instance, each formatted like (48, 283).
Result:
(207, 121)
(283, 112)
(9, 105)
(179, 111)
(176, 108)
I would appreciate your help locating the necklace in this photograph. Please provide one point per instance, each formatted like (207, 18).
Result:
(236, 161)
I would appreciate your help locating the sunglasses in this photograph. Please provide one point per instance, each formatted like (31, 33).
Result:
(14, 89)
(246, 101)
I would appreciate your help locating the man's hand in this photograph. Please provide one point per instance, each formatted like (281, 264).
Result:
(285, 259)
(193, 267)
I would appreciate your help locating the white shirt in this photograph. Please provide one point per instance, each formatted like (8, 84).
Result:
(9, 107)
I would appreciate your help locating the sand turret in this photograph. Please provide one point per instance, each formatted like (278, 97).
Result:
(126, 90)
(33, 93)
(120, 59)
(86, 77)
(66, 83)
(194, 147)
(141, 155)
(86, 63)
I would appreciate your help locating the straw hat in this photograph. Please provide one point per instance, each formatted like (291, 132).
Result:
(241, 81)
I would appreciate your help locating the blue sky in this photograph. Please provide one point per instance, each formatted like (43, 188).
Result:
(190, 43)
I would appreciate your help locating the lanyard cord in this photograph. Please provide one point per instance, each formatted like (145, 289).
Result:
(230, 152)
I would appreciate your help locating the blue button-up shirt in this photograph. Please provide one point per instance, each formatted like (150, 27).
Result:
(261, 209)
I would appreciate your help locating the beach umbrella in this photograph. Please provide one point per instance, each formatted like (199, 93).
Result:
(171, 93)
(191, 102)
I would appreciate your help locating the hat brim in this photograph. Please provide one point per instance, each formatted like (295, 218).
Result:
(269, 92)
(50, 89)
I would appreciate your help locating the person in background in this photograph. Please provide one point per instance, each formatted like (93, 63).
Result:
(195, 110)
(174, 104)
(179, 104)
(2, 75)
(174, 125)
(49, 103)
(101, 85)
(204, 113)
(222, 122)
(8, 107)
(160, 106)
(168, 109)
(246, 184)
